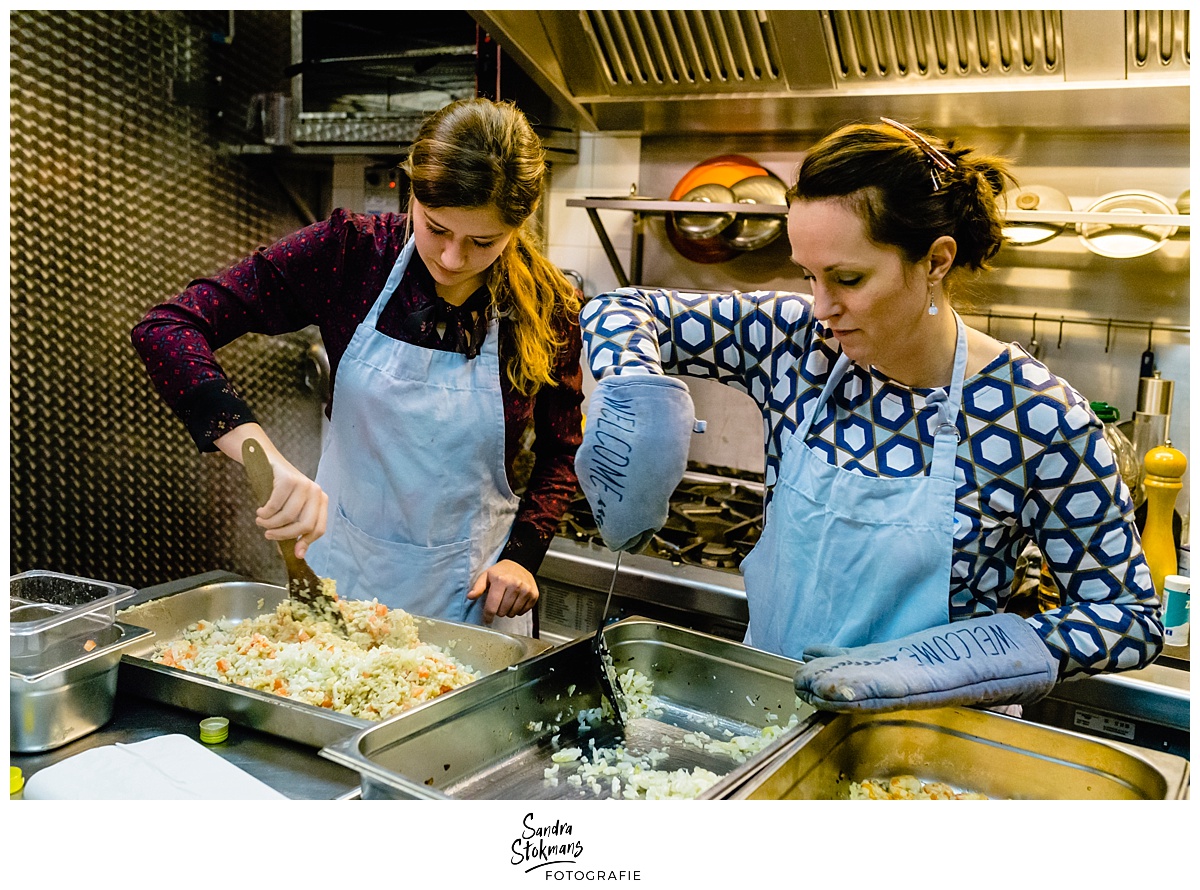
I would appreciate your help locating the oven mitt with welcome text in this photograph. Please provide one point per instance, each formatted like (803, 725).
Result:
(634, 453)
(998, 659)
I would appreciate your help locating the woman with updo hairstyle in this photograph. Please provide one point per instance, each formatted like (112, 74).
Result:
(450, 339)
(909, 458)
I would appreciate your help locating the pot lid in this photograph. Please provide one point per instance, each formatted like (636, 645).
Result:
(1032, 197)
(1122, 241)
(754, 232)
(699, 226)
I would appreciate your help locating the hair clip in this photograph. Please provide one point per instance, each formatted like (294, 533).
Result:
(936, 158)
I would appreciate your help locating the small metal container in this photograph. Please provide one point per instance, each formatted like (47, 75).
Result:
(967, 749)
(1155, 395)
(67, 689)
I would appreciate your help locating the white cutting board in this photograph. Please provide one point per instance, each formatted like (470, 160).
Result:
(168, 767)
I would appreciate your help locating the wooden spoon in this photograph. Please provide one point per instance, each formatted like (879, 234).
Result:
(303, 583)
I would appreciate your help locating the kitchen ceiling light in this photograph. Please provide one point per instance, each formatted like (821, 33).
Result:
(1124, 241)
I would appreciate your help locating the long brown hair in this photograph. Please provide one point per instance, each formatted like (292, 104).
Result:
(480, 153)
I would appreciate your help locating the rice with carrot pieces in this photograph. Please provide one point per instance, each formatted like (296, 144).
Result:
(378, 669)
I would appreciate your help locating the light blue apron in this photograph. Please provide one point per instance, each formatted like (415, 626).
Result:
(413, 463)
(846, 559)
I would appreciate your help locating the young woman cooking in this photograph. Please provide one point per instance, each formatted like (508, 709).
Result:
(909, 458)
(448, 334)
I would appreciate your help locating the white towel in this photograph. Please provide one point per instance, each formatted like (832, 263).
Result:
(168, 767)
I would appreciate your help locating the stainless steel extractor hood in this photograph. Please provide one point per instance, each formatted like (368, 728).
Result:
(674, 71)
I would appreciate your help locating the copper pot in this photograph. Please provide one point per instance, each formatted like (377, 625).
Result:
(723, 171)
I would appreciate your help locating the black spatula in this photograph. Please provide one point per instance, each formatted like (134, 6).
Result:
(603, 658)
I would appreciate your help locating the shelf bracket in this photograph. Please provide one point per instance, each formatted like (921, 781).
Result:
(609, 250)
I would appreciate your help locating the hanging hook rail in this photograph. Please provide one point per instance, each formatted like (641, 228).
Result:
(1107, 323)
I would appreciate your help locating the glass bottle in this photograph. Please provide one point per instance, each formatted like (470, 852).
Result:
(1123, 450)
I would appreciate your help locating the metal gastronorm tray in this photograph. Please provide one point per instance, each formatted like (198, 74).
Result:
(968, 749)
(494, 738)
(483, 649)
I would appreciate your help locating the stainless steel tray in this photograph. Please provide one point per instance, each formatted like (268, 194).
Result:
(494, 738)
(970, 750)
(483, 649)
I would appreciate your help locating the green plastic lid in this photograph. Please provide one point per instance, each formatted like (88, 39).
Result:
(1106, 412)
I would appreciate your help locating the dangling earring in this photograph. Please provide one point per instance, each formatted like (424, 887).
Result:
(933, 310)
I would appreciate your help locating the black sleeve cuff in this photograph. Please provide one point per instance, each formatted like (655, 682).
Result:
(526, 547)
(211, 410)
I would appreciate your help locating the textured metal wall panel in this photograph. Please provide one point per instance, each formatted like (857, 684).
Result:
(119, 197)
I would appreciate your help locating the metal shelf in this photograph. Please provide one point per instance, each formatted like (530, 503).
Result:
(654, 207)
(643, 207)
(651, 206)
(314, 150)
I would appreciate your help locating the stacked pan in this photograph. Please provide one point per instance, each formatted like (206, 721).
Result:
(719, 235)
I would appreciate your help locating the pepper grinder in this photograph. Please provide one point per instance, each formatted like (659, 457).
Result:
(1151, 423)
(1164, 468)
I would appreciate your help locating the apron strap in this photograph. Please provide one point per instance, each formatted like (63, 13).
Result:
(393, 282)
(945, 433)
(835, 376)
(491, 338)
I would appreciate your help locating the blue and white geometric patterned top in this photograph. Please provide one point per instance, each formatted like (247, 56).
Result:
(1032, 460)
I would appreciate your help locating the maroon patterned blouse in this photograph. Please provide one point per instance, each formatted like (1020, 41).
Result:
(329, 274)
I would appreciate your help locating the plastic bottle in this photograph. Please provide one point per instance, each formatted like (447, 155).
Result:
(1164, 466)
(1122, 449)
(1176, 609)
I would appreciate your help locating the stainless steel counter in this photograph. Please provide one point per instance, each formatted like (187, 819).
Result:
(293, 770)
(1149, 708)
